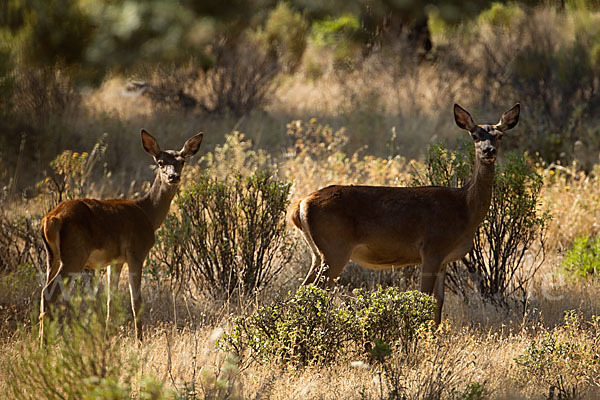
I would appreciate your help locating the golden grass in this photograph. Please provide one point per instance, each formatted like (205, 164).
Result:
(479, 343)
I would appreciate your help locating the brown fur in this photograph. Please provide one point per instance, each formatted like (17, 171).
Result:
(295, 215)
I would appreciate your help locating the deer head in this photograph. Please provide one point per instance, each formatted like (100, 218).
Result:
(487, 137)
(170, 162)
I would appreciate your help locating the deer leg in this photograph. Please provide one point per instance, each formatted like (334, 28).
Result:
(432, 282)
(58, 281)
(112, 284)
(315, 262)
(438, 292)
(49, 292)
(314, 270)
(135, 282)
(333, 264)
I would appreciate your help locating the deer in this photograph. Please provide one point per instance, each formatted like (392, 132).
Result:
(384, 227)
(92, 234)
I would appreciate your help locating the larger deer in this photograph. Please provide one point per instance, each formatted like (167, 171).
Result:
(382, 227)
(92, 234)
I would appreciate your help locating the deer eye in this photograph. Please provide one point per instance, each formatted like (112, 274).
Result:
(160, 163)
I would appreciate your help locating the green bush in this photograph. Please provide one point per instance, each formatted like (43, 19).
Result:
(313, 326)
(228, 236)
(583, 258)
(391, 316)
(511, 237)
(285, 35)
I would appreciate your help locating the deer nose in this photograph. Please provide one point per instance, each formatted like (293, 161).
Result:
(174, 178)
(489, 151)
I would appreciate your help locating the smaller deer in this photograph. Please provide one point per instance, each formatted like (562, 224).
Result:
(382, 227)
(92, 234)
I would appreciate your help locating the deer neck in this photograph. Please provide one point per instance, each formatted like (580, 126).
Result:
(157, 201)
(479, 191)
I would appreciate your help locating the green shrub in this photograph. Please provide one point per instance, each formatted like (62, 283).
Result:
(308, 327)
(391, 316)
(583, 258)
(342, 35)
(285, 35)
(228, 236)
(313, 326)
(512, 227)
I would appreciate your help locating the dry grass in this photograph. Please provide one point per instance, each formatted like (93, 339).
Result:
(393, 108)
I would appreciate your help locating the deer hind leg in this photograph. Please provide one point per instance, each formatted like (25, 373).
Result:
(59, 276)
(49, 292)
(334, 259)
(316, 260)
(433, 275)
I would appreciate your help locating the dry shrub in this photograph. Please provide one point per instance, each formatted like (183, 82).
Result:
(318, 157)
(35, 101)
(241, 80)
(441, 368)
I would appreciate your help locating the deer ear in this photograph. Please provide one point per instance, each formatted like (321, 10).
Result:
(191, 146)
(150, 144)
(463, 118)
(509, 118)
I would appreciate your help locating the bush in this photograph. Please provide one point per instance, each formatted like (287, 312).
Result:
(313, 326)
(583, 258)
(391, 316)
(228, 236)
(70, 173)
(305, 328)
(226, 86)
(20, 242)
(544, 57)
(285, 36)
(509, 243)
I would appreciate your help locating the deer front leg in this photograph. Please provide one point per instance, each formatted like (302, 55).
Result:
(135, 282)
(112, 284)
(432, 283)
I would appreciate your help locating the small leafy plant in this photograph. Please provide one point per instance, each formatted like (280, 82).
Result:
(583, 258)
(562, 358)
(391, 316)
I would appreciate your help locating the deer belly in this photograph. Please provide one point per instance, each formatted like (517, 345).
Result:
(378, 259)
(102, 258)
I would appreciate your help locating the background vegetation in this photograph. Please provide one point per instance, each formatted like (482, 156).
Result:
(293, 96)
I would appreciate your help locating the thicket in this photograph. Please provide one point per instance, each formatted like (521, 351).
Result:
(315, 326)
(228, 235)
(508, 247)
